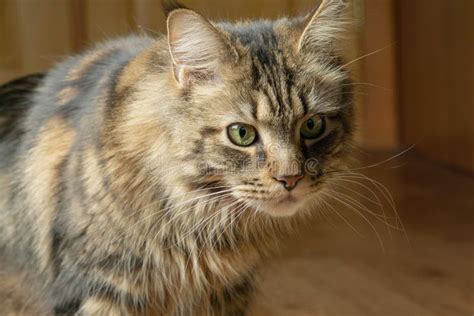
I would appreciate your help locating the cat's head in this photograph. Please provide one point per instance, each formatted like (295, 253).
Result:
(265, 108)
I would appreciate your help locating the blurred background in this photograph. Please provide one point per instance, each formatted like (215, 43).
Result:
(417, 86)
(415, 71)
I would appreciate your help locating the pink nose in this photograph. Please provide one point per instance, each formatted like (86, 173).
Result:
(289, 182)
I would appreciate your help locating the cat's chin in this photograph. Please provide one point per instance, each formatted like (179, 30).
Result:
(282, 208)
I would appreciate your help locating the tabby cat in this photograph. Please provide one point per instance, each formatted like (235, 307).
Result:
(153, 176)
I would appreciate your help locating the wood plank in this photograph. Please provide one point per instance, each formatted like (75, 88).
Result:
(236, 10)
(379, 110)
(77, 12)
(437, 76)
(107, 19)
(9, 43)
(149, 17)
(44, 33)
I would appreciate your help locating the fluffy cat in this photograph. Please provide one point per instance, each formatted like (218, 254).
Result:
(153, 176)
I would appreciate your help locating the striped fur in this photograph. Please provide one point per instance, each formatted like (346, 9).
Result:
(121, 194)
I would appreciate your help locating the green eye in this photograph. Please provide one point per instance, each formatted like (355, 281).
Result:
(313, 127)
(242, 134)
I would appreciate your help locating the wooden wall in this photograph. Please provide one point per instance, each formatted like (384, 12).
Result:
(378, 82)
(36, 33)
(436, 40)
(414, 90)
(48, 30)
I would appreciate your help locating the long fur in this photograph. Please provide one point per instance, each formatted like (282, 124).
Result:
(123, 195)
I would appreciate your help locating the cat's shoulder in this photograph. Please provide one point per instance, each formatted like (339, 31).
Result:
(102, 59)
(68, 91)
(74, 85)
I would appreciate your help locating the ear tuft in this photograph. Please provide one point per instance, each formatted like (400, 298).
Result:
(326, 27)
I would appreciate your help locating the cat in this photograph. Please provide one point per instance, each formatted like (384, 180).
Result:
(154, 176)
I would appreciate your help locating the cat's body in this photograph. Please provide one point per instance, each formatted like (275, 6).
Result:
(116, 195)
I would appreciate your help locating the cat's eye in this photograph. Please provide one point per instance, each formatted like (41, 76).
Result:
(313, 127)
(242, 134)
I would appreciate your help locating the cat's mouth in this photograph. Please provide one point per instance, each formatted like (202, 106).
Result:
(288, 198)
(285, 205)
(277, 201)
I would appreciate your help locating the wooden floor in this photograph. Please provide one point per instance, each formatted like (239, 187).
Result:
(330, 270)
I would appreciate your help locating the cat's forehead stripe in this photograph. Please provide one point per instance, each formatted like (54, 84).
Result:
(275, 75)
(273, 79)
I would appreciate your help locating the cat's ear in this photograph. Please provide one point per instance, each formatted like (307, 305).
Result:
(198, 50)
(325, 28)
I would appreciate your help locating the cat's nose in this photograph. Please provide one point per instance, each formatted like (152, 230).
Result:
(289, 182)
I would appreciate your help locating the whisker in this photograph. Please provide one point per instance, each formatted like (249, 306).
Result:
(356, 203)
(368, 84)
(340, 215)
(362, 216)
(378, 202)
(174, 196)
(174, 207)
(385, 193)
(199, 227)
(366, 55)
(378, 163)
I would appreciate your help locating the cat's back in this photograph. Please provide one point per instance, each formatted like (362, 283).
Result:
(72, 91)
(39, 112)
(43, 117)
(79, 88)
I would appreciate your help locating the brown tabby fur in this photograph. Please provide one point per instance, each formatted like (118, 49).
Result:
(120, 193)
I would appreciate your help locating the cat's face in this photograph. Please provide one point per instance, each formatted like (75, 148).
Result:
(271, 114)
